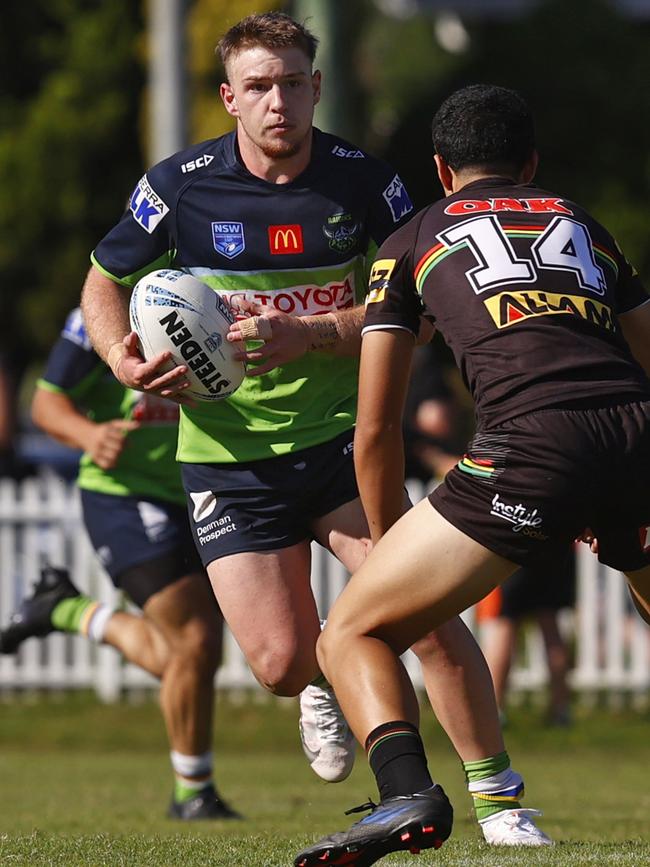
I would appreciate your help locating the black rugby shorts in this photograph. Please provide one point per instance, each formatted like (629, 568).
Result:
(531, 589)
(268, 504)
(144, 544)
(527, 488)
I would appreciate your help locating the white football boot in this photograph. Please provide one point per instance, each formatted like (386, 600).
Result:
(326, 737)
(514, 828)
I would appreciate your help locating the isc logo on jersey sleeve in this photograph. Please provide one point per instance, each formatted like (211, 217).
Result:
(199, 163)
(338, 151)
(397, 199)
(228, 238)
(147, 207)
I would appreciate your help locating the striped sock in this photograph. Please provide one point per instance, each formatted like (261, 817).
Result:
(397, 759)
(83, 615)
(193, 774)
(493, 785)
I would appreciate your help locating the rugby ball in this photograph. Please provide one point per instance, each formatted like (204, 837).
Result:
(173, 311)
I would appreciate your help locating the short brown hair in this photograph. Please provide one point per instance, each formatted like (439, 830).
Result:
(270, 30)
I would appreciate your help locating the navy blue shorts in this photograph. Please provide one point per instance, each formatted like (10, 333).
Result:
(144, 544)
(527, 488)
(268, 504)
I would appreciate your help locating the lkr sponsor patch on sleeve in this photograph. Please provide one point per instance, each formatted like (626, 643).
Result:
(146, 205)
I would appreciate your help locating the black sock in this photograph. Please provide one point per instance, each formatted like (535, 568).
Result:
(397, 759)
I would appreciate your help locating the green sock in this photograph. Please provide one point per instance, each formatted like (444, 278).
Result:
(72, 615)
(185, 791)
(320, 681)
(493, 785)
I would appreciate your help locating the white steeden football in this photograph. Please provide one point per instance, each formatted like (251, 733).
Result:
(171, 310)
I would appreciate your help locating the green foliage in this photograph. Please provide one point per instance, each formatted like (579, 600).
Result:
(68, 153)
(583, 67)
(73, 87)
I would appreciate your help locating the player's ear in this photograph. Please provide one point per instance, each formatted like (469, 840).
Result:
(445, 174)
(227, 94)
(315, 84)
(530, 168)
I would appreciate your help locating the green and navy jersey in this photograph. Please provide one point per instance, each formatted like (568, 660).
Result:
(303, 247)
(526, 289)
(147, 464)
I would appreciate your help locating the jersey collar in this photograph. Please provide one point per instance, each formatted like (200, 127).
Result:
(234, 160)
(489, 182)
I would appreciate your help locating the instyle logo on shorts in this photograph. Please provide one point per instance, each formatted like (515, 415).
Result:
(521, 517)
(285, 239)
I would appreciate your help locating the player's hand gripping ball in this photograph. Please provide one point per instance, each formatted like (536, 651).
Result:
(173, 311)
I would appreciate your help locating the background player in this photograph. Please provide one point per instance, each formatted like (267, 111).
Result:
(133, 508)
(541, 310)
(284, 216)
(538, 595)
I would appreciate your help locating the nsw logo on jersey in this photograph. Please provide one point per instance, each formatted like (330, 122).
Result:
(397, 199)
(147, 207)
(228, 238)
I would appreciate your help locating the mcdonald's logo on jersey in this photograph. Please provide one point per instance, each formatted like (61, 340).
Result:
(285, 239)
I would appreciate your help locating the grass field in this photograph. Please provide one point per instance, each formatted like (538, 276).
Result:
(86, 784)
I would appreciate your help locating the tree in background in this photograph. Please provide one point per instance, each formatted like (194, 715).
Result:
(68, 153)
(207, 21)
(73, 102)
(582, 66)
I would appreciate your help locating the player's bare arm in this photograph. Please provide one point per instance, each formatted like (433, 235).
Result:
(105, 307)
(378, 442)
(286, 337)
(56, 414)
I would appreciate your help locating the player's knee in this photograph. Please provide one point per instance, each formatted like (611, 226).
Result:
(429, 647)
(199, 646)
(281, 674)
(330, 638)
(449, 644)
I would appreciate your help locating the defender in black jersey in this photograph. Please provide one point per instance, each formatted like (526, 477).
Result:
(550, 326)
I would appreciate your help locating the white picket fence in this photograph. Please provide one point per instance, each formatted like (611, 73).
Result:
(41, 519)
